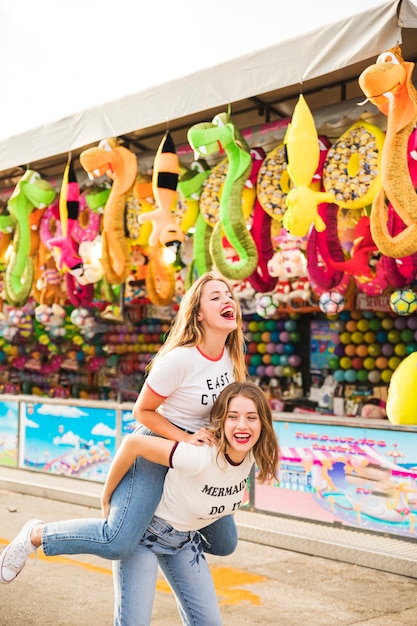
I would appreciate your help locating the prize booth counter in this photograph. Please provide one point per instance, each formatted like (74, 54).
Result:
(342, 470)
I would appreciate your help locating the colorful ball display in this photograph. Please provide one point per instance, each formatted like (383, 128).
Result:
(403, 301)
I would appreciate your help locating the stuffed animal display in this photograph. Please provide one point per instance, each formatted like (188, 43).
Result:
(308, 225)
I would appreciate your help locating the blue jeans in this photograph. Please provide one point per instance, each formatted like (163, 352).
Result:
(132, 507)
(181, 559)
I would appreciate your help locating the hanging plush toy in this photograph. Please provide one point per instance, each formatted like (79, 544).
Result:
(140, 200)
(160, 278)
(388, 85)
(369, 278)
(323, 248)
(6, 231)
(67, 257)
(120, 165)
(190, 185)
(65, 245)
(260, 279)
(30, 192)
(301, 140)
(164, 185)
(288, 266)
(352, 170)
(402, 270)
(401, 400)
(206, 138)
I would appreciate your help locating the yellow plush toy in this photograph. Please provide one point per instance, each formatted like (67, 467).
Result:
(401, 400)
(302, 143)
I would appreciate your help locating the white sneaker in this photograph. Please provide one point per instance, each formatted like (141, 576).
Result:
(13, 558)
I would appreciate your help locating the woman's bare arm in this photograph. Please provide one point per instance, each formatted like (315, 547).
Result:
(154, 449)
(145, 412)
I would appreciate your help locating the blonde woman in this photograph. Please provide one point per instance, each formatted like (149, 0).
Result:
(203, 353)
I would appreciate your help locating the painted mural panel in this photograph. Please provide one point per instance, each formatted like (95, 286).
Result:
(9, 428)
(129, 424)
(73, 441)
(365, 478)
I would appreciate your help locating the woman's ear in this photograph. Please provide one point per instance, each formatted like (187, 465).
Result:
(199, 317)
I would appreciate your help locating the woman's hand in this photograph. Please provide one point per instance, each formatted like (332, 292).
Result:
(202, 437)
(105, 506)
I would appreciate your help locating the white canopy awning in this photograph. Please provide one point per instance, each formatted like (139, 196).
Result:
(98, 68)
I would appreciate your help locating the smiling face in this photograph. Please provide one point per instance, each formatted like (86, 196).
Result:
(242, 427)
(217, 310)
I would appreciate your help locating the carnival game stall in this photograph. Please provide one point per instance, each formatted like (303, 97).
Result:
(313, 224)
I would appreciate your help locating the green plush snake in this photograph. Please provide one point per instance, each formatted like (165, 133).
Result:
(205, 138)
(30, 192)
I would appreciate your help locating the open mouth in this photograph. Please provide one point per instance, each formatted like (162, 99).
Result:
(242, 438)
(228, 314)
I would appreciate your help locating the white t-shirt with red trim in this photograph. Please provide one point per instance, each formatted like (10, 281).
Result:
(200, 488)
(189, 383)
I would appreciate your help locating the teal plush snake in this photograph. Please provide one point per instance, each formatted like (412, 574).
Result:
(30, 192)
(206, 138)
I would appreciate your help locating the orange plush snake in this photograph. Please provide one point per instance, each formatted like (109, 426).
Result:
(120, 165)
(388, 85)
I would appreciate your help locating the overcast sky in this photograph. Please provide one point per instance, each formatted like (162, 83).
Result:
(58, 58)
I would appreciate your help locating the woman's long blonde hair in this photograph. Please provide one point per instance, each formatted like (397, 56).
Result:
(265, 450)
(186, 330)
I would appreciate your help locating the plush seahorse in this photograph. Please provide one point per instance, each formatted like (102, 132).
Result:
(120, 165)
(206, 138)
(303, 150)
(30, 192)
(388, 85)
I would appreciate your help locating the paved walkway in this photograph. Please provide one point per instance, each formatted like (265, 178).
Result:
(274, 577)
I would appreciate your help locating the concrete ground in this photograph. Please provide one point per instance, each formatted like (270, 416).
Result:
(259, 584)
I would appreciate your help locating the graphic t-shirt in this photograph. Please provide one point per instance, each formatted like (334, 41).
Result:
(205, 486)
(189, 381)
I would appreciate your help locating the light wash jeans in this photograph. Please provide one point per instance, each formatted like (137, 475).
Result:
(181, 558)
(132, 507)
